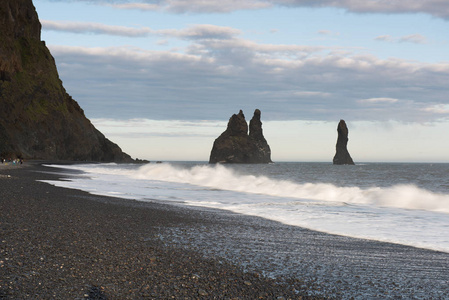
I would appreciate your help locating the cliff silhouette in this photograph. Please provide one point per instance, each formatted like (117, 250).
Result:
(38, 119)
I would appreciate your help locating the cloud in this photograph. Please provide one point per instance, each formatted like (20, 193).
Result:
(162, 139)
(95, 28)
(214, 78)
(203, 31)
(328, 33)
(138, 6)
(146, 128)
(441, 109)
(379, 100)
(200, 31)
(412, 38)
(242, 45)
(436, 8)
(195, 6)
(385, 38)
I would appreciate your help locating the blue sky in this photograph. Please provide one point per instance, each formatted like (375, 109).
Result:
(161, 78)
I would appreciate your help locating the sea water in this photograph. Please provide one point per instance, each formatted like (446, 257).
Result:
(392, 202)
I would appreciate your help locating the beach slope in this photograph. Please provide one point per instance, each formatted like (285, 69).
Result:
(65, 244)
(59, 243)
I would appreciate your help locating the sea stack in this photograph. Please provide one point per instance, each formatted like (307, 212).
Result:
(234, 145)
(342, 156)
(38, 119)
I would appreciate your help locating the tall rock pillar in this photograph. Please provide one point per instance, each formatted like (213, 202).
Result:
(342, 156)
(263, 152)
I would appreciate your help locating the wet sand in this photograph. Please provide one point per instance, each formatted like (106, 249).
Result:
(66, 244)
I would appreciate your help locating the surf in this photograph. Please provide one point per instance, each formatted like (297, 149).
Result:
(220, 177)
(398, 213)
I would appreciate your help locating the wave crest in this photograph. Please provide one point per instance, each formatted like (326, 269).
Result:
(224, 178)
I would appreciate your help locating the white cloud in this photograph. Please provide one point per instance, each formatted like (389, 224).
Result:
(379, 100)
(437, 8)
(138, 6)
(200, 31)
(440, 109)
(196, 6)
(412, 38)
(95, 28)
(262, 48)
(162, 139)
(386, 38)
(328, 33)
(216, 78)
(159, 128)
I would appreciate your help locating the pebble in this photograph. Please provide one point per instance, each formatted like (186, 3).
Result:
(78, 245)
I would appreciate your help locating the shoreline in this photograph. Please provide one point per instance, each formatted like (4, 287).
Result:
(67, 244)
(78, 245)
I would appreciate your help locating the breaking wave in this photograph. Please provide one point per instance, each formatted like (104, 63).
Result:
(224, 178)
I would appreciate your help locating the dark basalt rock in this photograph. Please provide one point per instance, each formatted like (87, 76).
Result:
(234, 145)
(263, 153)
(342, 156)
(38, 119)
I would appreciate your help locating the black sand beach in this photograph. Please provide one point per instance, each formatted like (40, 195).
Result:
(59, 243)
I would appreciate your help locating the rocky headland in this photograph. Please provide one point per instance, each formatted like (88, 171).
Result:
(38, 119)
(235, 145)
(342, 156)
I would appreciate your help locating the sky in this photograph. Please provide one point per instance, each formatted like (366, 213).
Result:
(161, 78)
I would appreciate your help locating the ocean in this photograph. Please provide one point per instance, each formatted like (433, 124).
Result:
(401, 203)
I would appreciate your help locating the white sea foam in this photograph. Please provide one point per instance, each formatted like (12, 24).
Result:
(397, 213)
(223, 178)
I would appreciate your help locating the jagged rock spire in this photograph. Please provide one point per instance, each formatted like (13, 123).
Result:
(237, 125)
(342, 156)
(234, 145)
(263, 153)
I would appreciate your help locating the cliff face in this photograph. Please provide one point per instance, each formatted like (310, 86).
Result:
(38, 119)
(234, 145)
(342, 156)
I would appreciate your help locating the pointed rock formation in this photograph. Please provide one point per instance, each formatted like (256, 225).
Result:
(342, 156)
(38, 119)
(263, 152)
(234, 145)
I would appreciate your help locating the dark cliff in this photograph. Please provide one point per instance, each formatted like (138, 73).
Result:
(234, 145)
(342, 156)
(38, 119)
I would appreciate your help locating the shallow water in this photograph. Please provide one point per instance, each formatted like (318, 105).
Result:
(411, 205)
(401, 203)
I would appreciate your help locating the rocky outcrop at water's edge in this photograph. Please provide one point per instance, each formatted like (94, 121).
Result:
(235, 145)
(342, 156)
